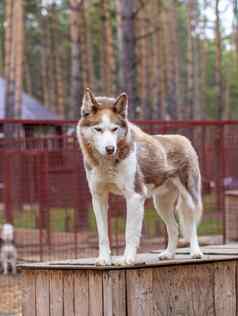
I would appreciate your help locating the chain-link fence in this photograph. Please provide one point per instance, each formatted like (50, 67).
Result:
(44, 193)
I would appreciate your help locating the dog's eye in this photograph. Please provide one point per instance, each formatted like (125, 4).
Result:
(98, 129)
(114, 129)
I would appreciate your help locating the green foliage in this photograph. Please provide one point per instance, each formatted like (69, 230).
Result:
(35, 13)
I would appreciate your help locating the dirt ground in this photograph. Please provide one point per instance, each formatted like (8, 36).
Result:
(10, 295)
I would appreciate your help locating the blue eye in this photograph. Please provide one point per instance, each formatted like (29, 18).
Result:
(98, 129)
(114, 129)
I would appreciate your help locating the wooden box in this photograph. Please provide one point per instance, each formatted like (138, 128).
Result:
(183, 286)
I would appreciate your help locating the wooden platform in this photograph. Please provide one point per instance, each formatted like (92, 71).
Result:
(183, 286)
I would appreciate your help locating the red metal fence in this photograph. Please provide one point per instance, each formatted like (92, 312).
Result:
(43, 189)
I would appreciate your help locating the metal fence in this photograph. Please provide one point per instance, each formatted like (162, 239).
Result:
(43, 190)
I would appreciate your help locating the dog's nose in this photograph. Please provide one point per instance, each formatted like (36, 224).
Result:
(110, 150)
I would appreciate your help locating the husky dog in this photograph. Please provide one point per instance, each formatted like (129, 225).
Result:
(8, 253)
(120, 158)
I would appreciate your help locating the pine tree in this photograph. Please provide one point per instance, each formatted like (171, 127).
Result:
(107, 53)
(9, 60)
(218, 65)
(190, 62)
(76, 91)
(19, 52)
(129, 62)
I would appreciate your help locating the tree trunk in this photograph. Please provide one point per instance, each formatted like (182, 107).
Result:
(44, 59)
(218, 66)
(76, 93)
(19, 51)
(197, 65)
(27, 76)
(119, 45)
(107, 54)
(140, 29)
(190, 69)
(204, 63)
(129, 54)
(9, 60)
(148, 28)
(176, 61)
(57, 49)
(171, 50)
(51, 45)
(86, 51)
(160, 65)
(235, 28)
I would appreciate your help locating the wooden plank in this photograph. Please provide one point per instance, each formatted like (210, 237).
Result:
(68, 283)
(42, 293)
(236, 288)
(183, 290)
(81, 299)
(225, 288)
(95, 293)
(226, 246)
(114, 293)
(139, 292)
(231, 249)
(56, 293)
(143, 260)
(29, 294)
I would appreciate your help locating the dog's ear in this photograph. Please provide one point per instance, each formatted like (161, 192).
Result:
(121, 104)
(89, 103)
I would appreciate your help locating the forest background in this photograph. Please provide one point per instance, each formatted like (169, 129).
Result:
(176, 59)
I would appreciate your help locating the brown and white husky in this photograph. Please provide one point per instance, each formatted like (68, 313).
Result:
(120, 158)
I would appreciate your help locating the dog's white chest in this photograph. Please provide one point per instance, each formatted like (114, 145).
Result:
(120, 175)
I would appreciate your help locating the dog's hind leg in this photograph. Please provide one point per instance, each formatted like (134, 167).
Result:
(5, 267)
(13, 266)
(190, 211)
(189, 223)
(165, 206)
(100, 207)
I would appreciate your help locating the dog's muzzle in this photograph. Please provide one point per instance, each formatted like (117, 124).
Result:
(110, 150)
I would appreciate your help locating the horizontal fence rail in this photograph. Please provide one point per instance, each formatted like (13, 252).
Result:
(44, 193)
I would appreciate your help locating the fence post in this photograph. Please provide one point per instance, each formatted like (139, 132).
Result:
(221, 176)
(8, 187)
(43, 199)
(203, 159)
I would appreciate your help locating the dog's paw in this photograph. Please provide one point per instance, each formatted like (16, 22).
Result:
(197, 254)
(103, 261)
(166, 255)
(125, 261)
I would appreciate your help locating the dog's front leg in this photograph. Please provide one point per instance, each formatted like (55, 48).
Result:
(134, 221)
(100, 206)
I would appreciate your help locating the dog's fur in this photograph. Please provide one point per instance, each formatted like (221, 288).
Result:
(8, 252)
(120, 158)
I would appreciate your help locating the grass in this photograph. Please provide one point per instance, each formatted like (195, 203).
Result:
(23, 219)
(210, 226)
(63, 219)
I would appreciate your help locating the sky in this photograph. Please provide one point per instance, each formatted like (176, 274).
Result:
(226, 16)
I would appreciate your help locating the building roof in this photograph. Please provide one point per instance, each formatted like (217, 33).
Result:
(32, 109)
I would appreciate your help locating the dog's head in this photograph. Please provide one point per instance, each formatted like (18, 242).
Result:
(103, 122)
(7, 232)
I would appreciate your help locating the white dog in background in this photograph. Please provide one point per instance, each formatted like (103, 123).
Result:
(120, 158)
(8, 252)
